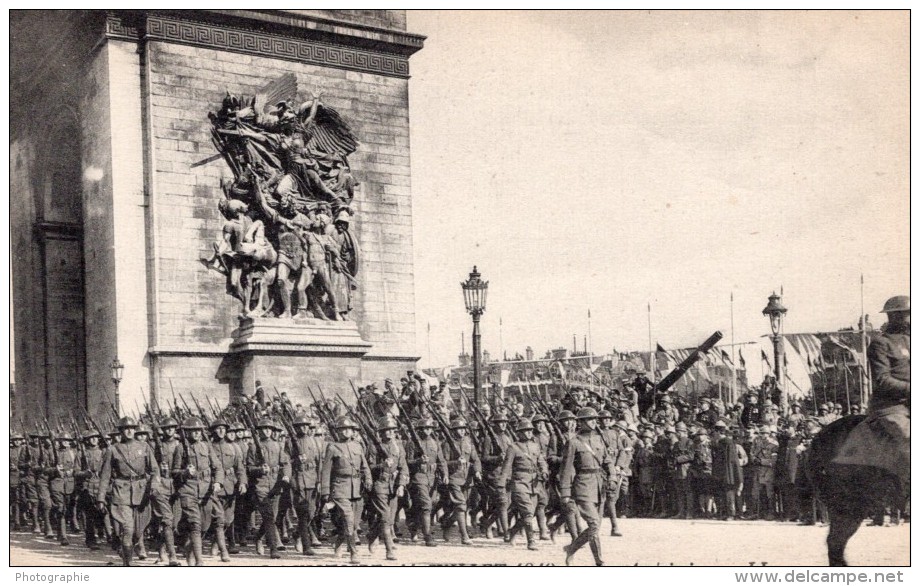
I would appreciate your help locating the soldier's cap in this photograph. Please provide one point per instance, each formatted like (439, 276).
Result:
(126, 422)
(564, 415)
(36, 434)
(388, 381)
(191, 423)
(346, 422)
(524, 425)
(303, 420)
(587, 413)
(632, 428)
(720, 424)
(219, 423)
(442, 384)
(386, 422)
(795, 406)
(372, 386)
(432, 387)
(822, 407)
(622, 424)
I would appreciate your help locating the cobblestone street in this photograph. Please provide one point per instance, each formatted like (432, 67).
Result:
(647, 542)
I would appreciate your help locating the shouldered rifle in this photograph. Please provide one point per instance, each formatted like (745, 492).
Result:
(54, 451)
(407, 422)
(441, 423)
(483, 422)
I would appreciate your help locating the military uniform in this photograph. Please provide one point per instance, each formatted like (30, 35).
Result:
(234, 483)
(87, 478)
(60, 471)
(763, 459)
(524, 466)
(581, 480)
(390, 473)
(16, 501)
(345, 471)
(126, 471)
(306, 460)
(547, 443)
(492, 455)
(682, 456)
(426, 463)
(463, 466)
(270, 467)
(28, 465)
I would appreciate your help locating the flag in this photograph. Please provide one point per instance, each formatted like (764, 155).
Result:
(660, 348)
(763, 356)
(726, 358)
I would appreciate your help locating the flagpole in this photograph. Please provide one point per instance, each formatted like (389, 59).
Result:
(429, 345)
(734, 376)
(864, 400)
(501, 340)
(651, 350)
(590, 340)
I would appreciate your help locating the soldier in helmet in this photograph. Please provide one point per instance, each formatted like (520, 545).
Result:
(581, 481)
(426, 463)
(164, 500)
(236, 534)
(199, 479)
(544, 436)
(17, 446)
(523, 467)
(126, 469)
(463, 469)
(269, 464)
(492, 452)
(87, 479)
(306, 460)
(234, 485)
(566, 513)
(345, 473)
(390, 473)
(60, 465)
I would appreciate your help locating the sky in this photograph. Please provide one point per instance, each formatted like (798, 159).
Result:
(608, 161)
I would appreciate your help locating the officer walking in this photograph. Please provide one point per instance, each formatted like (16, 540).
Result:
(390, 473)
(306, 460)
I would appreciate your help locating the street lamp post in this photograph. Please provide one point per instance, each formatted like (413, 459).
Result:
(118, 370)
(775, 311)
(474, 295)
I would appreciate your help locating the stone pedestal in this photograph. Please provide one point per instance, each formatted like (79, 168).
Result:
(293, 354)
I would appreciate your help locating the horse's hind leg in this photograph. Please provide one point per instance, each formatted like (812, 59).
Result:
(842, 529)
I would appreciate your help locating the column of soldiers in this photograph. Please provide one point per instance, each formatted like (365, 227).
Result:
(263, 470)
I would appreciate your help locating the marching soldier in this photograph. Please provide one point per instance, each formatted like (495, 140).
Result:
(17, 447)
(270, 466)
(126, 470)
(233, 485)
(236, 533)
(345, 472)
(462, 469)
(426, 463)
(60, 469)
(390, 474)
(543, 435)
(306, 460)
(87, 479)
(199, 478)
(164, 503)
(524, 467)
(492, 457)
(581, 482)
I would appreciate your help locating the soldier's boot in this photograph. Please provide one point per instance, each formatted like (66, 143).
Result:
(161, 554)
(528, 531)
(48, 526)
(62, 531)
(127, 552)
(596, 550)
(221, 540)
(503, 521)
(511, 533)
(541, 524)
(141, 549)
(689, 510)
(426, 531)
(260, 547)
(464, 535)
(232, 547)
(387, 537)
(196, 548)
(571, 524)
(189, 556)
(352, 549)
(169, 540)
(612, 513)
(571, 549)
(337, 545)
(36, 526)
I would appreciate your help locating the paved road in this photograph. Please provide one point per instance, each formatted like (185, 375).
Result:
(646, 542)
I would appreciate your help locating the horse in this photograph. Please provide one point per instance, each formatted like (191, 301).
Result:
(850, 493)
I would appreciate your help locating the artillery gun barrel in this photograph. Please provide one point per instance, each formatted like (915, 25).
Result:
(681, 369)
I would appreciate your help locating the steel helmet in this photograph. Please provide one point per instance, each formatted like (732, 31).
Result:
(126, 422)
(266, 422)
(142, 428)
(604, 415)
(587, 413)
(524, 425)
(303, 420)
(218, 423)
(345, 423)
(169, 422)
(193, 423)
(681, 426)
(458, 422)
(897, 303)
(565, 415)
(425, 423)
(386, 422)
(622, 424)
(498, 417)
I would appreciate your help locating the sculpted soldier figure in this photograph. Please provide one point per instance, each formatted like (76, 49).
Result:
(126, 471)
(345, 472)
(390, 474)
(306, 460)
(581, 482)
(523, 467)
(463, 469)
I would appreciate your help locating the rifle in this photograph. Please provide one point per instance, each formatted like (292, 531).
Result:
(407, 422)
(103, 440)
(54, 451)
(441, 423)
(325, 414)
(483, 422)
(201, 412)
(76, 436)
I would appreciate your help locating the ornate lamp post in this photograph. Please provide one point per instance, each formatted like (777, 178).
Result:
(474, 295)
(775, 311)
(118, 370)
